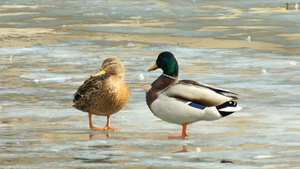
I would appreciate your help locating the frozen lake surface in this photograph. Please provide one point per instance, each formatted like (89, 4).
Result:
(48, 48)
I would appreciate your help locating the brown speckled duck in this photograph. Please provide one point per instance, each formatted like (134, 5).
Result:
(186, 101)
(104, 93)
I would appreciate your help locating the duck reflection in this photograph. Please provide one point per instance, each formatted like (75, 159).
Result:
(106, 132)
(185, 149)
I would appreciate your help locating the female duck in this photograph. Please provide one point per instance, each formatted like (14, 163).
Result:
(185, 101)
(104, 93)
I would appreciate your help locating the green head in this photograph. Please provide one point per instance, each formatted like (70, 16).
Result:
(167, 62)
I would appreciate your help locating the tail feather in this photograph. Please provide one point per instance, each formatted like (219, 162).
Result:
(228, 108)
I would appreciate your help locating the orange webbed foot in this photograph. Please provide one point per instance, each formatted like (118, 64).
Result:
(91, 123)
(110, 128)
(183, 135)
(107, 127)
(96, 128)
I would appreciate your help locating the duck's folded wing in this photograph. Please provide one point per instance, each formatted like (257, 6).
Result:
(89, 85)
(205, 95)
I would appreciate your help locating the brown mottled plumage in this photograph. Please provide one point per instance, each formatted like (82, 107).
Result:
(104, 93)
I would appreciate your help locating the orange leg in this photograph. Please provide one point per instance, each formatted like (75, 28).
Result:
(183, 135)
(101, 128)
(91, 123)
(108, 124)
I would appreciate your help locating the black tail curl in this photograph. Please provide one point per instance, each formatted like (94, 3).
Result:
(224, 105)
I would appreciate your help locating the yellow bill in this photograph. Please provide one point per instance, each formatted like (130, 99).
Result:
(153, 67)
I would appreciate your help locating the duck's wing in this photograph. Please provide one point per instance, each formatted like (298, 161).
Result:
(206, 95)
(89, 85)
(216, 89)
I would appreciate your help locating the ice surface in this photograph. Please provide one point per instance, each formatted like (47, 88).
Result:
(41, 129)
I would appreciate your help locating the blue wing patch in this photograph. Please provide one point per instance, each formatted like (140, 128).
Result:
(196, 105)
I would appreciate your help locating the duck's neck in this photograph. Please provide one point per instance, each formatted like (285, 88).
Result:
(160, 84)
(171, 77)
(163, 81)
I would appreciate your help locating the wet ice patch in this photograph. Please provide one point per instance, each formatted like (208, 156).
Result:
(3, 67)
(54, 51)
(20, 112)
(46, 77)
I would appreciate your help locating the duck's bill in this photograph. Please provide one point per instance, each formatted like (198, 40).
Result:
(99, 73)
(153, 67)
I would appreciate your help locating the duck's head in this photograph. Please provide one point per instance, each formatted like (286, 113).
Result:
(112, 66)
(167, 62)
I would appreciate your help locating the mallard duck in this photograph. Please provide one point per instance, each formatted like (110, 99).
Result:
(186, 101)
(104, 93)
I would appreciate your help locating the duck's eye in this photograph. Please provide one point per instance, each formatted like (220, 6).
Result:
(111, 63)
